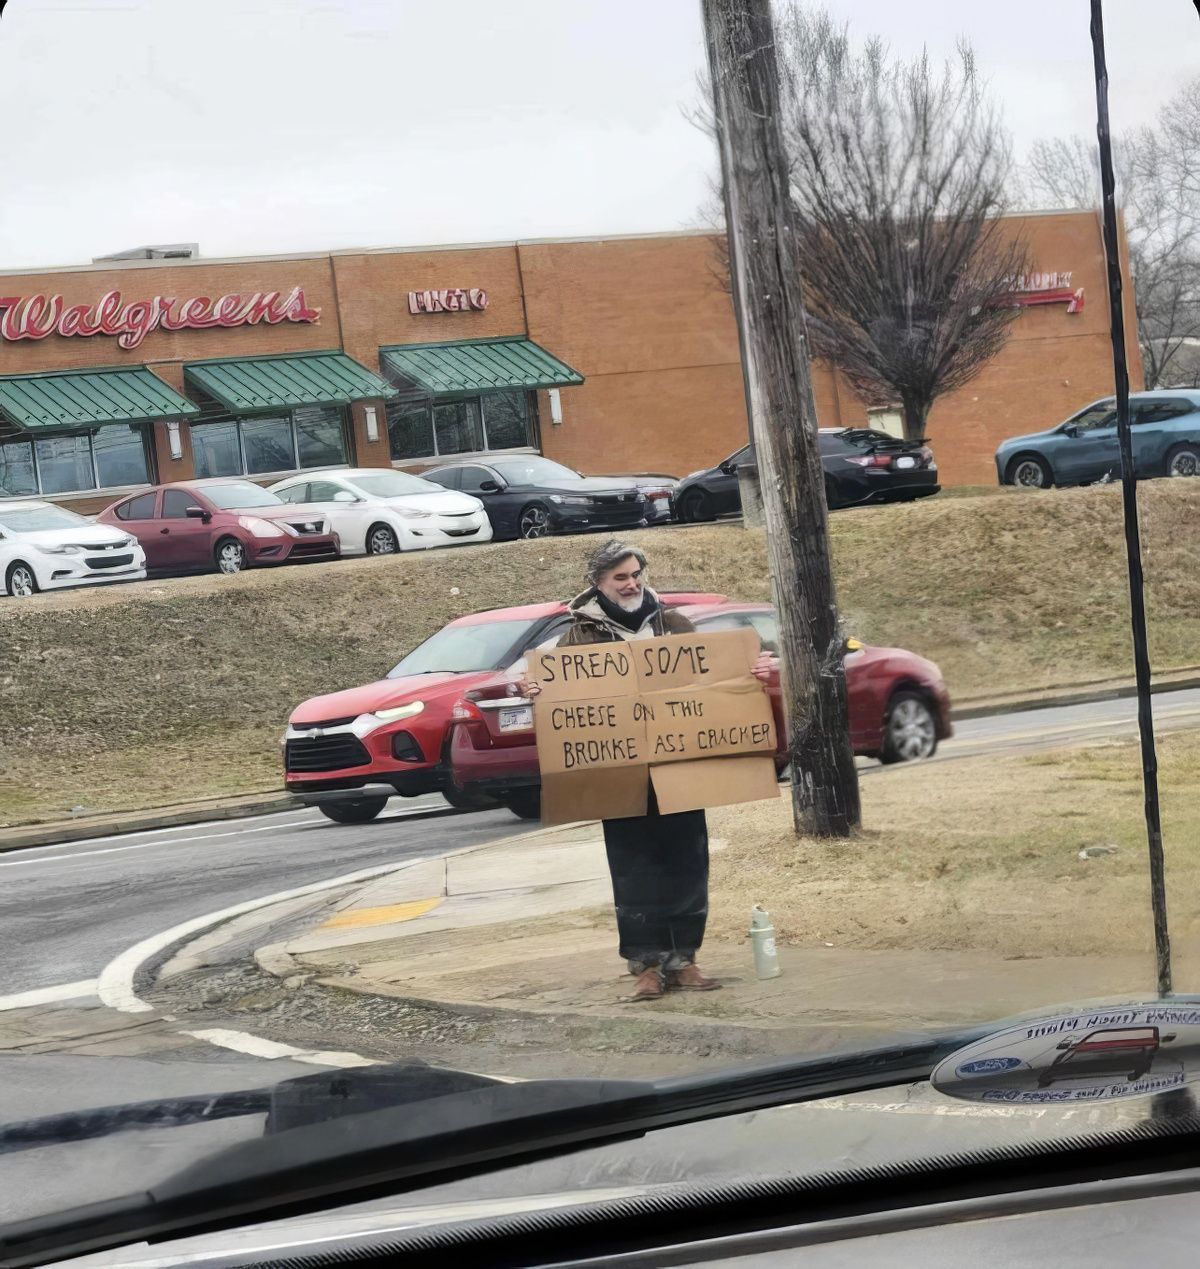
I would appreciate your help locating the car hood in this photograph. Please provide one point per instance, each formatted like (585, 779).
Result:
(387, 693)
(438, 504)
(83, 535)
(1012, 442)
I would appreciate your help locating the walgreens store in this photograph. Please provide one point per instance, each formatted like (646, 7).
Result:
(615, 355)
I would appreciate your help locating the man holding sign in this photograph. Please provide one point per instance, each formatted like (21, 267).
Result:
(606, 713)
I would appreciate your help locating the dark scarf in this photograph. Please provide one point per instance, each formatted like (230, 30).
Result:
(632, 621)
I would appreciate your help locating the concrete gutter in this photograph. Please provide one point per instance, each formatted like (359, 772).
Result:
(1085, 694)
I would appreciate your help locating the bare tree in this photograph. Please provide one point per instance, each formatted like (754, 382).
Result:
(1158, 179)
(899, 172)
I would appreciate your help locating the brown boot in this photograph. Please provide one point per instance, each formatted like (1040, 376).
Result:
(648, 985)
(689, 978)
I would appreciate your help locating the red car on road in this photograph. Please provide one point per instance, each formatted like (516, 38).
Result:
(350, 751)
(899, 710)
(220, 525)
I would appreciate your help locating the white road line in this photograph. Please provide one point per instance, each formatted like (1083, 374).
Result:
(84, 989)
(115, 984)
(256, 1046)
(170, 828)
(181, 841)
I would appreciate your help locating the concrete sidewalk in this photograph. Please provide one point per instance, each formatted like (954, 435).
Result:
(526, 926)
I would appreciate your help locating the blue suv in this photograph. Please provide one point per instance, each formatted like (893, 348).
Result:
(1164, 427)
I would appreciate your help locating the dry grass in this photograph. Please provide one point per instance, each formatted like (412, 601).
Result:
(162, 692)
(978, 854)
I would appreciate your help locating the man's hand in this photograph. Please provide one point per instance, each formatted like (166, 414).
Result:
(528, 688)
(766, 667)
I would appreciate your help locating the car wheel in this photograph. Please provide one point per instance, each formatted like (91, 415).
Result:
(21, 581)
(230, 556)
(1183, 460)
(361, 811)
(464, 799)
(381, 540)
(697, 506)
(534, 521)
(526, 804)
(1030, 472)
(909, 729)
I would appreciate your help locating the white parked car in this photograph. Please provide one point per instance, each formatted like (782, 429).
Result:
(45, 547)
(376, 512)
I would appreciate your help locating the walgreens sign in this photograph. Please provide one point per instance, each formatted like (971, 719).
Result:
(37, 316)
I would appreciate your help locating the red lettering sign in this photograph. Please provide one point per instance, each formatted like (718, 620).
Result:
(451, 300)
(37, 316)
(1032, 289)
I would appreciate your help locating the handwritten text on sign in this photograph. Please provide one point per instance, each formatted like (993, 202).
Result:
(651, 701)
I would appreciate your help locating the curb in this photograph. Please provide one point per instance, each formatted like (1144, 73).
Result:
(65, 831)
(1084, 696)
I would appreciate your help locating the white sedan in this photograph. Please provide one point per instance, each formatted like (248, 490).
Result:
(376, 512)
(45, 547)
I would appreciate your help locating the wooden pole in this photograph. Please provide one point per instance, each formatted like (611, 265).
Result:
(764, 270)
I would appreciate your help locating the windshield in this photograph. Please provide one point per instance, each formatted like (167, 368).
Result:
(235, 497)
(878, 728)
(394, 484)
(534, 471)
(32, 519)
(481, 645)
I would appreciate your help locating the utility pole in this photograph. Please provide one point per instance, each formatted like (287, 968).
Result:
(764, 267)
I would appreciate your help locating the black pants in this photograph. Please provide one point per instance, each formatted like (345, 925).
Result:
(659, 869)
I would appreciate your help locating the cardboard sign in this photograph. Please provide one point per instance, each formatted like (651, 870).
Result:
(683, 714)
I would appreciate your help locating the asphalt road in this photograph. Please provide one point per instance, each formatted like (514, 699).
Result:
(66, 911)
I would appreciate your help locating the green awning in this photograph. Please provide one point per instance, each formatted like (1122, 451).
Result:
(264, 383)
(89, 398)
(480, 365)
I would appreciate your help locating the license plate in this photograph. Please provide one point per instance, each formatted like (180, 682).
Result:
(516, 719)
(906, 462)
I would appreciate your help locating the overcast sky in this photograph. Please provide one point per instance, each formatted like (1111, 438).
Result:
(262, 126)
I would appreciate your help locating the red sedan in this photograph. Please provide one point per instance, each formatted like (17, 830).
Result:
(350, 751)
(899, 710)
(223, 525)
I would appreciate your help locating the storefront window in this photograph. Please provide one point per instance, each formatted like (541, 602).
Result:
(254, 446)
(410, 431)
(268, 445)
(498, 420)
(506, 420)
(458, 427)
(320, 437)
(64, 464)
(216, 451)
(120, 456)
(17, 475)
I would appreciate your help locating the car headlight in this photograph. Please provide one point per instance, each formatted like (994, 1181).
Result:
(61, 550)
(570, 500)
(411, 513)
(261, 528)
(397, 712)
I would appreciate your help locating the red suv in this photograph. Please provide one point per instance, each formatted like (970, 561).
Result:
(350, 751)
(899, 710)
(223, 525)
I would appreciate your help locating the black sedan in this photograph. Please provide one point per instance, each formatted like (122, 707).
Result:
(861, 466)
(528, 496)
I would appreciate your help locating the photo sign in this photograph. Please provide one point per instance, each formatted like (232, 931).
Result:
(682, 714)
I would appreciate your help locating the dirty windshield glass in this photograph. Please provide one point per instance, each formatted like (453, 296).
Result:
(871, 719)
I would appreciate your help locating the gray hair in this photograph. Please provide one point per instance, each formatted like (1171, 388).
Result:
(605, 558)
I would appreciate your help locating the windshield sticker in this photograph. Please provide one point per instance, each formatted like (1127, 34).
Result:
(1127, 1051)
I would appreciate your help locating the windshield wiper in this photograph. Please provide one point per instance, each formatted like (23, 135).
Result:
(380, 1148)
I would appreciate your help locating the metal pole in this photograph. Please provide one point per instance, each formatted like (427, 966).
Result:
(1133, 543)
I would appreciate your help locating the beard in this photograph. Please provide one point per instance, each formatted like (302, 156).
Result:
(631, 603)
